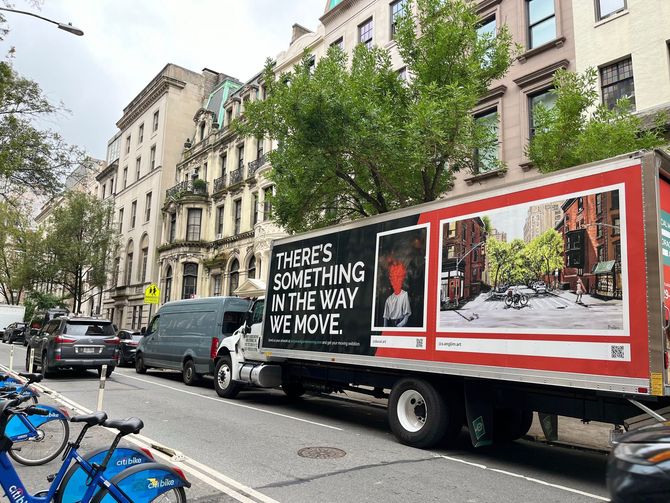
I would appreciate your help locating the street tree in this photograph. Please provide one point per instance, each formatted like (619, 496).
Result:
(81, 241)
(546, 253)
(578, 129)
(36, 300)
(20, 251)
(355, 140)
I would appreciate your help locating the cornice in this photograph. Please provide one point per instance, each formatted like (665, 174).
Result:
(541, 74)
(147, 98)
(342, 6)
(486, 4)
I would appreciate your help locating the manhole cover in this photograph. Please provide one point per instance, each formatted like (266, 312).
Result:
(321, 453)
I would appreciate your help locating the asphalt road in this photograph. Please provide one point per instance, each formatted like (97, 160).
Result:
(247, 449)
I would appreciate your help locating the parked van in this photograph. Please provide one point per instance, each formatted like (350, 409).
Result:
(185, 334)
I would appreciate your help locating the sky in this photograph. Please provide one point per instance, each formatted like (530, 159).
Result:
(127, 42)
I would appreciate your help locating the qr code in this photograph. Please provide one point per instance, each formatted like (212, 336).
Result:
(618, 352)
(419, 343)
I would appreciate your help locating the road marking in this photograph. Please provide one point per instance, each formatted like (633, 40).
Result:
(234, 404)
(205, 473)
(524, 477)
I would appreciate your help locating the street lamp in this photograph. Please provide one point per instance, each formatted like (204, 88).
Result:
(65, 27)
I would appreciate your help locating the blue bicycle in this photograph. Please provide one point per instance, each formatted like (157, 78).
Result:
(142, 483)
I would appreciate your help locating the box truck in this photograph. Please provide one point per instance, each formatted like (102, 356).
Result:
(10, 314)
(549, 295)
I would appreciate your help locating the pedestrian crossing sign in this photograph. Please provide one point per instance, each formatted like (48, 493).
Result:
(152, 294)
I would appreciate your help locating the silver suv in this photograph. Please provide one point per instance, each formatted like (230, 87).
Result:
(76, 343)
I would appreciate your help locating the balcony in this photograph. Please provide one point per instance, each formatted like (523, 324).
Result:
(236, 176)
(220, 184)
(256, 165)
(188, 188)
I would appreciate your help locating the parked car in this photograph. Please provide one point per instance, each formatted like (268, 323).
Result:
(540, 287)
(41, 318)
(184, 335)
(128, 342)
(638, 469)
(14, 332)
(75, 343)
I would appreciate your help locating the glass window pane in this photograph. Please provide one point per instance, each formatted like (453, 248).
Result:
(487, 157)
(608, 7)
(543, 32)
(487, 27)
(539, 9)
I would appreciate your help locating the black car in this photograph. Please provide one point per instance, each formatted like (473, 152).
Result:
(75, 343)
(128, 341)
(639, 466)
(14, 332)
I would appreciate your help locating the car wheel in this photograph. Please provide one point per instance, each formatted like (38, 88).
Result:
(44, 366)
(28, 362)
(189, 375)
(223, 379)
(139, 365)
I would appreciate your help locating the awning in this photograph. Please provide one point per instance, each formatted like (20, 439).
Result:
(604, 267)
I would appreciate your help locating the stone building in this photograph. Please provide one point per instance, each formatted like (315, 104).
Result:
(540, 218)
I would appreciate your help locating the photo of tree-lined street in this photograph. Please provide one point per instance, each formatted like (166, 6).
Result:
(534, 266)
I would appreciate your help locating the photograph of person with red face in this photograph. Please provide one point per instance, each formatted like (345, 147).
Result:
(400, 279)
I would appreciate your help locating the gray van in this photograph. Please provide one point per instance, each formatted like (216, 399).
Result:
(185, 334)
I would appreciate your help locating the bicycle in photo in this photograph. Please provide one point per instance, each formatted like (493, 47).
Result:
(514, 298)
(142, 483)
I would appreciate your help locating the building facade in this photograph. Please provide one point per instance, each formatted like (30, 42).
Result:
(541, 218)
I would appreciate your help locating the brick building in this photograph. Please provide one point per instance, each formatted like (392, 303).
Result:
(463, 260)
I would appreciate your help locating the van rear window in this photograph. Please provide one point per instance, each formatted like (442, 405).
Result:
(232, 320)
(88, 328)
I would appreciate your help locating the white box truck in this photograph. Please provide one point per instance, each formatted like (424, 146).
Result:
(10, 314)
(550, 295)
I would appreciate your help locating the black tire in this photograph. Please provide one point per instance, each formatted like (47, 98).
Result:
(418, 414)
(110, 369)
(44, 366)
(35, 366)
(293, 389)
(177, 495)
(39, 452)
(511, 424)
(189, 375)
(508, 301)
(223, 383)
(523, 300)
(139, 365)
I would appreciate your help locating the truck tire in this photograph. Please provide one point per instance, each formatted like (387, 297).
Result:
(511, 424)
(223, 379)
(189, 375)
(293, 389)
(418, 414)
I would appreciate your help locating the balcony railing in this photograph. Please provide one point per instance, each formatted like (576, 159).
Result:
(236, 176)
(220, 184)
(256, 165)
(187, 188)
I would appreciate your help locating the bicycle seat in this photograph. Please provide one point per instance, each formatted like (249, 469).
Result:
(90, 419)
(125, 426)
(31, 377)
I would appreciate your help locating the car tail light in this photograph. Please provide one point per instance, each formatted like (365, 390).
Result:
(64, 340)
(133, 343)
(214, 347)
(147, 452)
(114, 341)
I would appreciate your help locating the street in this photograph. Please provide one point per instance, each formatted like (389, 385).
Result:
(548, 311)
(249, 447)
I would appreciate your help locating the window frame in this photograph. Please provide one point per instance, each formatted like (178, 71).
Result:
(479, 115)
(133, 214)
(393, 14)
(362, 29)
(155, 121)
(529, 26)
(147, 206)
(615, 85)
(598, 9)
(191, 227)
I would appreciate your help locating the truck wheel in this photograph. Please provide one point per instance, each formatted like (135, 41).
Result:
(417, 413)
(293, 389)
(511, 424)
(223, 379)
(189, 375)
(139, 365)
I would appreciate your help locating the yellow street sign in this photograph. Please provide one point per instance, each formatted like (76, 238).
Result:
(152, 294)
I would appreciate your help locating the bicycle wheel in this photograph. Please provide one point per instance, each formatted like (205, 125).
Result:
(523, 299)
(508, 301)
(146, 483)
(51, 439)
(177, 495)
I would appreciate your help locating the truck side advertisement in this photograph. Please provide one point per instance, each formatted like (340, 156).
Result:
(547, 276)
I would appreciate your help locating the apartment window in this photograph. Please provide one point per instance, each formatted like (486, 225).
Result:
(104, 188)
(365, 33)
(338, 43)
(546, 99)
(397, 9)
(229, 116)
(259, 148)
(133, 214)
(125, 177)
(541, 22)
(115, 273)
(111, 187)
(143, 270)
(167, 291)
(267, 202)
(617, 252)
(451, 230)
(599, 229)
(606, 8)
(487, 27)
(193, 224)
(240, 157)
(202, 130)
(152, 158)
(121, 220)
(140, 134)
(234, 279)
(254, 208)
(224, 162)
(172, 233)
(238, 215)
(486, 158)
(128, 144)
(599, 203)
(129, 268)
(580, 204)
(155, 126)
(190, 281)
(251, 270)
(601, 253)
(219, 220)
(216, 285)
(451, 251)
(147, 207)
(138, 164)
(617, 82)
(616, 226)
(615, 199)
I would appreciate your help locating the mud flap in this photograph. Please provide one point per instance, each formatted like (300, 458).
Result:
(549, 424)
(479, 413)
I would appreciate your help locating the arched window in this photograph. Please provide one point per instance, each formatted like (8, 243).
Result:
(251, 270)
(234, 281)
(128, 275)
(168, 284)
(190, 286)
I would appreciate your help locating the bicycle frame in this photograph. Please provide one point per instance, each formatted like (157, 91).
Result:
(24, 427)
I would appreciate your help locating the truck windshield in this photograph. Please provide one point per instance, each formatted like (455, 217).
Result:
(88, 328)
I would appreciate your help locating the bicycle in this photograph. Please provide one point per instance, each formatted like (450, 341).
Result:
(515, 299)
(38, 438)
(138, 484)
